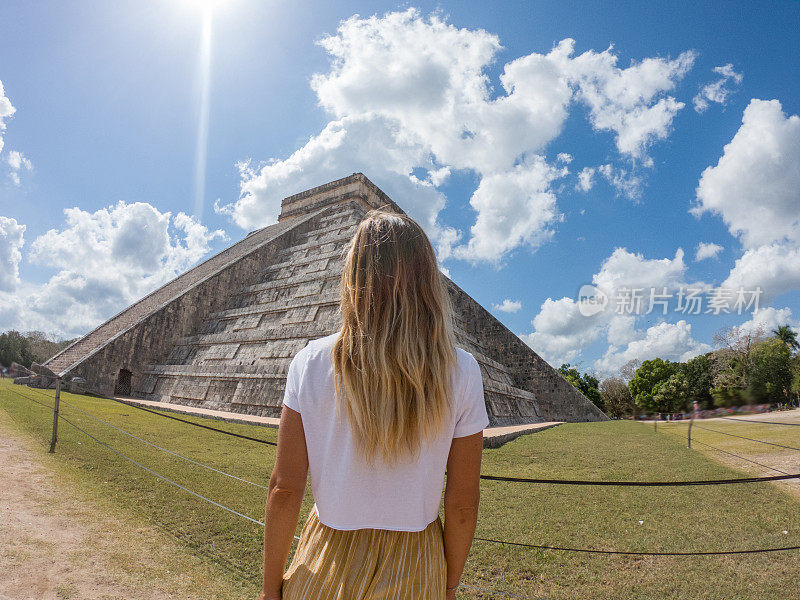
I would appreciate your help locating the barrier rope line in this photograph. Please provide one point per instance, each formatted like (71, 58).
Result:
(138, 464)
(194, 462)
(160, 476)
(634, 553)
(231, 433)
(543, 481)
(747, 438)
(491, 540)
(741, 457)
(755, 462)
(761, 422)
(645, 483)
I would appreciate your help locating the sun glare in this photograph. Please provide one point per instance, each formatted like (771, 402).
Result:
(206, 5)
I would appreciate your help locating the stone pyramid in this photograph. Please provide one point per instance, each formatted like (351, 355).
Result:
(222, 334)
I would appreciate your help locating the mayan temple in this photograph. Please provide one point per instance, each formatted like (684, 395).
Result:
(222, 334)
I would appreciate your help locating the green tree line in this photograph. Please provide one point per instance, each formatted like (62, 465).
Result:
(29, 347)
(748, 367)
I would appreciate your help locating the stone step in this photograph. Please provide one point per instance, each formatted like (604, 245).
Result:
(278, 284)
(273, 307)
(507, 390)
(317, 261)
(269, 334)
(223, 371)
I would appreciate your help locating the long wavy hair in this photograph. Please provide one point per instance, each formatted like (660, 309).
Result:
(394, 355)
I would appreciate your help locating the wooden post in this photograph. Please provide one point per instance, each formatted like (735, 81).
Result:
(55, 416)
(694, 410)
(655, 422)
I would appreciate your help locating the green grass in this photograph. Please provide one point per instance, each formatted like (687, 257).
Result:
(673, 519)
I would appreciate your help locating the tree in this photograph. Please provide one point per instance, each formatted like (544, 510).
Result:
(770, 375)
(43, 346)
(616, 397)
(645, 383)
(14, 347)
(732, 364)
(628, 370)
(788, 336)
(671, 395)
(586, 384)
(699, 381)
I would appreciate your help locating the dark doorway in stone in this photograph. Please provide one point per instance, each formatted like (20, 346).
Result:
(123, 387)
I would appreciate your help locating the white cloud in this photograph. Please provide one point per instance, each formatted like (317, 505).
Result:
(18, 162)
(561, 332)
(754, 185)
(514, 208)
(627, 270)
(586, 179)
(104, 261)
(707, 250)
(410, 94)
(670, 341)
(630, 101)
(717, 91)
(775, 268)
(768, 319)
(6, 110)
(626, 182)
(11, 242)
(508, 306)
(754, 188)
(366, 143)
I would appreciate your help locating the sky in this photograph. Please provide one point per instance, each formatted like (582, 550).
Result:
(613, 181)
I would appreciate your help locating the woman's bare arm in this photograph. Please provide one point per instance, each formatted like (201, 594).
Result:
(461, 497)
(287, 485)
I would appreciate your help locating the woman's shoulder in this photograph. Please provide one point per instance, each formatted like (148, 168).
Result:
(465, 359)
(316, 349)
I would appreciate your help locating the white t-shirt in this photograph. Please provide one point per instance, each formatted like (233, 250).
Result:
(348, 493)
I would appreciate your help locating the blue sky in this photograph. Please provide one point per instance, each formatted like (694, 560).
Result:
(477, 118)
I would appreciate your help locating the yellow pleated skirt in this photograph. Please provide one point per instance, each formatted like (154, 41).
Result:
(366, 564)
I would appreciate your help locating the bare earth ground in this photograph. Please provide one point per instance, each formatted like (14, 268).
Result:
(56, 544)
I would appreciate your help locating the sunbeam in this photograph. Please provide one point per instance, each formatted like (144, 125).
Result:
(201, 151)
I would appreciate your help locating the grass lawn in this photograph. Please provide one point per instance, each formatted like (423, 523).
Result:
(638, 519)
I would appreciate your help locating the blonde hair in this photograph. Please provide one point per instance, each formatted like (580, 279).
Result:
(395, 351)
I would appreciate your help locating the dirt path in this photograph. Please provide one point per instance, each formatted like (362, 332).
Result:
(55, 543)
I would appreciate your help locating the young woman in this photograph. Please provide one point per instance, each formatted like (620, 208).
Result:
(377, 412)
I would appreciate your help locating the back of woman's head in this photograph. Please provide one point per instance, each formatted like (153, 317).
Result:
(395, 351)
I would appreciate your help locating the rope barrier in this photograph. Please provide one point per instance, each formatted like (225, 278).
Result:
(761, 422)
(490, 540)
(644, 483)
(231, 433)
(160, 476)
(633, 553)
(138, 464)
(194, 462)
(741, 457)
(546, 481)
(749, 439)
